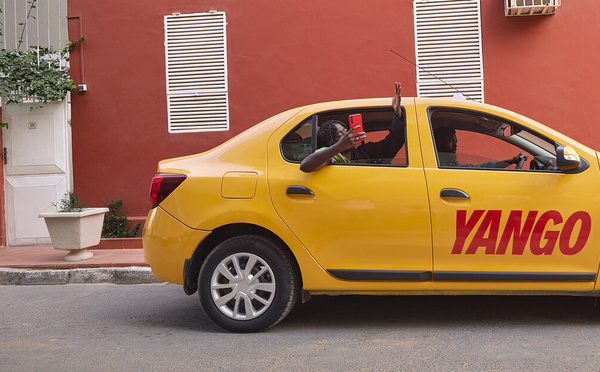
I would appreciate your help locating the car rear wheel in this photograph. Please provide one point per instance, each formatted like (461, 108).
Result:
(247, 284)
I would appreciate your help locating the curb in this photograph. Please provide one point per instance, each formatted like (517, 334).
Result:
(114, 275)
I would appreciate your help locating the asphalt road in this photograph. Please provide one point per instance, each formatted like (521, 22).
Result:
(156, 327)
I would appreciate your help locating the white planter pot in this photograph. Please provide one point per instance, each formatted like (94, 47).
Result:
(75, 231)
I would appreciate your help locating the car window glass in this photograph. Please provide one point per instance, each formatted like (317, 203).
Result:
(473, 140)
(381, 146)
(296, 145)
(399, 159)
(476, 149)
(530, 137)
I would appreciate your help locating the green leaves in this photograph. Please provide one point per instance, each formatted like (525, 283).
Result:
(34, 73)
(38, 73)
(116, 222)
(70, 203)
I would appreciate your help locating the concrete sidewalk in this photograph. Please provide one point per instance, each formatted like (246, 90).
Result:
(44, 265)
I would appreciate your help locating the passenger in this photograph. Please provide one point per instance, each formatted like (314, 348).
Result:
(337, 144)
(446, 144)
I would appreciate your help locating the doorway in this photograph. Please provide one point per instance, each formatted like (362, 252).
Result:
(37, 168)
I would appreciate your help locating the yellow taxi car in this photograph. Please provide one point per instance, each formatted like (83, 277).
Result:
(457, 213)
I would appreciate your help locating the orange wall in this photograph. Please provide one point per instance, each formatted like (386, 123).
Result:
(287, 53)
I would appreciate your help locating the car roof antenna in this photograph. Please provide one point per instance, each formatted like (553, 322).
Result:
(440, 79)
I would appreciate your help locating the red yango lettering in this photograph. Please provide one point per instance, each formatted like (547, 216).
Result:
(490, 222)
(513, 228)
(551, 236)
(567, 231)
(543, 233)
(464, 228)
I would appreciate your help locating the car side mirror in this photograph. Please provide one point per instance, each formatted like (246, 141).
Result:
(567, 158)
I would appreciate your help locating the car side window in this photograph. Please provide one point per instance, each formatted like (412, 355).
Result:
(297, 144)
(466, 139)
(384, 142)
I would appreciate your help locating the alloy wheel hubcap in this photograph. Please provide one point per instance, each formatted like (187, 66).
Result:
(243, 286)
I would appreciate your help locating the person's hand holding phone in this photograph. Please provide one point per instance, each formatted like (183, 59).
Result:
(355, 120)
(351, 138)
(356, 127)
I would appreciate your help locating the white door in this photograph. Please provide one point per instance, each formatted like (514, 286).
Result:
(37, 168)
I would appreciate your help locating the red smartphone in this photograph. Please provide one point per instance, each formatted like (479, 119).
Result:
(355, 120)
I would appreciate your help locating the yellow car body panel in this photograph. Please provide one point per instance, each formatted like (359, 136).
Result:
(166, 242)
(245, 153)
(383, 219)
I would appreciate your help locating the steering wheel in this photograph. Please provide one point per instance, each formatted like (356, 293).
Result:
(520, 163)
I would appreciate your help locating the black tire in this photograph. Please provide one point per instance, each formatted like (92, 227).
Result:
(247, 303)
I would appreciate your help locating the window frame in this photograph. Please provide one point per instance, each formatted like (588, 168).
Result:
(314, 118)
(433, 109)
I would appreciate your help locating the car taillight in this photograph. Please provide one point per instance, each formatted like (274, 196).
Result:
(163, 184)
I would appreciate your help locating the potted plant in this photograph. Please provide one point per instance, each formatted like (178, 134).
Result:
(74, 227)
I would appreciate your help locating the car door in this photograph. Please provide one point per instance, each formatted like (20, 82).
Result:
(503, 225)
(359, 221)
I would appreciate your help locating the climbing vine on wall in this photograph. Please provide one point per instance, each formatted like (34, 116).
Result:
(37, 73)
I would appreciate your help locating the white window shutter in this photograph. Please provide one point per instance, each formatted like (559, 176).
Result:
(196, 64)
(448, 48)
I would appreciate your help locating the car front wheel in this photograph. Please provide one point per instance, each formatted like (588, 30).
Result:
(247, 284)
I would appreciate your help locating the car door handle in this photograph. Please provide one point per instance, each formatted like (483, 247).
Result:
(453, 193)
(298, 190)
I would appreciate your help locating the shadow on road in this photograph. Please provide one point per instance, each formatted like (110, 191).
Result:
(334, 312)
(446, 311)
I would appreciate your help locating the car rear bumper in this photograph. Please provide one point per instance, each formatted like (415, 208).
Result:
(168, 243)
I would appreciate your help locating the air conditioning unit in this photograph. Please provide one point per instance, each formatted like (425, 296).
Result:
(516, 8)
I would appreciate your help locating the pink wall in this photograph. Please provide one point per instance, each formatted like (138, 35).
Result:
(287, 53)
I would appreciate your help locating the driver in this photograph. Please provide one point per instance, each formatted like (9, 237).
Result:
(446, 143)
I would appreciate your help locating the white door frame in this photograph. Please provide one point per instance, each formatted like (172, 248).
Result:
(38, 169)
